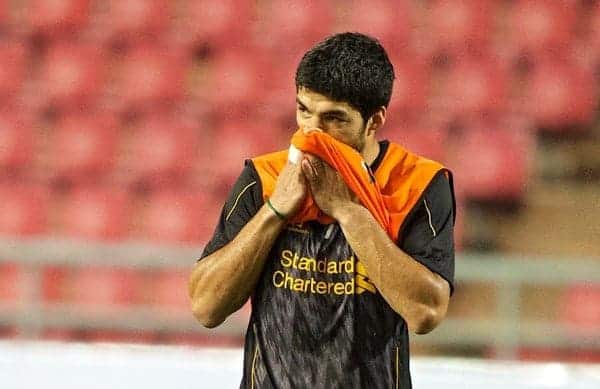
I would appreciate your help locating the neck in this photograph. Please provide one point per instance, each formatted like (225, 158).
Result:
(370, 151)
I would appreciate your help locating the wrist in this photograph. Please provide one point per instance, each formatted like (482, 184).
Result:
(345, 213)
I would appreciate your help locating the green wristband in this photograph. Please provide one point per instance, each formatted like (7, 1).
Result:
(279, 214)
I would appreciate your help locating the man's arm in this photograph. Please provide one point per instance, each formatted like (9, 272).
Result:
(222, 282)
(419, 295)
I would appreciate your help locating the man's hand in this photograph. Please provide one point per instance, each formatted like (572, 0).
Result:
(328, 189)
(290, 190)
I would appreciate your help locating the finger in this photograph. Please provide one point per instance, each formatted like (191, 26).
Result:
(308, 170)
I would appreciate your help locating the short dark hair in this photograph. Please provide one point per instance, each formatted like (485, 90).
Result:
(349, 67)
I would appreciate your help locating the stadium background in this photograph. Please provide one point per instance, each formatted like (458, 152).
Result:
(124, 123)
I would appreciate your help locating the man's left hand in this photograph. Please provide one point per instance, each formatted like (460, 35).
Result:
(328, 189)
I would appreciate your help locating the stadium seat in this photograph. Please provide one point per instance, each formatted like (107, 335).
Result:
(541, 26)
(168, 290)
(96, 213)
(23, 209)
(150, 76)
(283, 25)
(100, 287)
(9, 283)
(420, 136)
(387, 20)
(455, 27)
(13, 66)
(491, 162)
(137, 20)
(72, 74)
(474, 87)
(162, 150)
(580, 309)
(560, 94)
(16, 141)
(219, 24)
(179, 216)
(409, 96)
(52, 18)
(89, 140)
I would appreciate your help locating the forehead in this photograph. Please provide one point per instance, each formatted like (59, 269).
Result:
(319, 103)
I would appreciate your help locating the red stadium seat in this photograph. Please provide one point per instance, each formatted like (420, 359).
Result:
(168, 290)
(409, 96)
(179, 217)
(96, 213)
(23, 209)
(89, 140)
(284, 25)
(135, 20)
(51, 17)
(389, 21)
(492, 162)
(72, 74)
(458, 26)
(101, 287)
(16, 141)
(9, 283)
(541, 26)
(475, 86)
(560, 94)
(13, 66)
(220, 24)
(420, 137)
(580, 309)
(151, 75)
(162, 150)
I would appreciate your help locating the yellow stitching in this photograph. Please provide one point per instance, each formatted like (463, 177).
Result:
(253, 364)
(238, 199)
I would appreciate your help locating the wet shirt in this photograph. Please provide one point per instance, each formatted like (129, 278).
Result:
(317, 320)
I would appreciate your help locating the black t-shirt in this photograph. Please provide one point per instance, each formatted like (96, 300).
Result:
(317, 321)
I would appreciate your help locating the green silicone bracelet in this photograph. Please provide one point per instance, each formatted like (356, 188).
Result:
(279, 214)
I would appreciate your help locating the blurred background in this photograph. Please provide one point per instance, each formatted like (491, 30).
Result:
(123, 124)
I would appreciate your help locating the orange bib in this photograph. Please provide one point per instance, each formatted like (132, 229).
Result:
(389, 194)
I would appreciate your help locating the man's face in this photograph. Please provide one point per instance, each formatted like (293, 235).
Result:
(338, 119)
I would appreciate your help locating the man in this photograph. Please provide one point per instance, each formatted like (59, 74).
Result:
(332, 302)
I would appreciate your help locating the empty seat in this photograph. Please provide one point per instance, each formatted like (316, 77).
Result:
(421, 137)
(168, 290)
(409, 95)
(9, 283)
(580, 309)
(559, 94)
(284, 24)
(96, 213)
(492, 161)
(16, 141)
(150, 75)
(179, 216)
(72, 74)
(536, 27)
(23, 209)
(389, 21)
(219, 24)
(100, 287)
(13, 67)
(64, 17)
(90, 141)
(135, 20)
(475, 86)
(162, 150)
(458, 26)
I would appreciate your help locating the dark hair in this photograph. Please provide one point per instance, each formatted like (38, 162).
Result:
(349, 67)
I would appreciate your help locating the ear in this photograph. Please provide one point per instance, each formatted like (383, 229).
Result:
(376, 121)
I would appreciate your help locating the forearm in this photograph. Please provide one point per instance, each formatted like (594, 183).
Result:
(413, 291)
(222, 282)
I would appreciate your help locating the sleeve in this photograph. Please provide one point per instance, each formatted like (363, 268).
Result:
(428, 234)
(243, 202)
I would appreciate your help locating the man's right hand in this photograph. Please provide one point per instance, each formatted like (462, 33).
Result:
(290, 190)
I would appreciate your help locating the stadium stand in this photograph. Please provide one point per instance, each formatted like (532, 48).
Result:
(126, 122)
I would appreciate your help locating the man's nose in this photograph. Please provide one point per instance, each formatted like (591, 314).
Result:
(312, 124)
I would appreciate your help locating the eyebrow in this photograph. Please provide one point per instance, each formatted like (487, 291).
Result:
(331, 112)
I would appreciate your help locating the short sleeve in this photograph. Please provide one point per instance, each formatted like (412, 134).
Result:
(428, 234)
(243, 202)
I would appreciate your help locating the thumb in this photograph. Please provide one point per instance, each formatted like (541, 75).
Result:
(308, 169)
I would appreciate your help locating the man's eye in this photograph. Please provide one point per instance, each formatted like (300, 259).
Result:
(301, 108)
